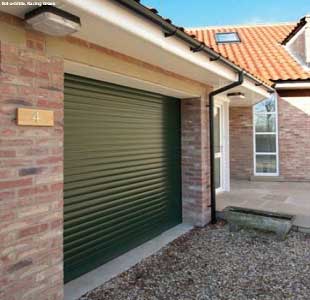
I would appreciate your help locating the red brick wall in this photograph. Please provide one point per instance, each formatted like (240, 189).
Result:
(195, 161)
(31, 175)
(294, 139)
(241, 142)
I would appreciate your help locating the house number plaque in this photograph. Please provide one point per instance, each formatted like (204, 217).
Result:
(35, 117)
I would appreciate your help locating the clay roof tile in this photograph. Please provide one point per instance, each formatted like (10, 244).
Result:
(260, 51)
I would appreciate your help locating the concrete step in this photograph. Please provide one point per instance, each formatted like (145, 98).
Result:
(239, 217)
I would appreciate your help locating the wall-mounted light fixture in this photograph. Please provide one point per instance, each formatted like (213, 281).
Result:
(236, 96)
(53, 21)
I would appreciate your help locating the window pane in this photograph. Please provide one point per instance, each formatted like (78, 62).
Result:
(265, 123)
(217, 171)
(222, 37)
(267, 105)
(265, 143)
(266, 164)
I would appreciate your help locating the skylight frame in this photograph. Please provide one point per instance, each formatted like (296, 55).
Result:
(237, 40)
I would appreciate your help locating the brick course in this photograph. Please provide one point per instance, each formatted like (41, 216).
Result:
(294, 140)
(31, 208)
(241, 142)
(195, 161)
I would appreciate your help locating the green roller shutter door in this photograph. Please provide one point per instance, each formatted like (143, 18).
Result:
(122, 170)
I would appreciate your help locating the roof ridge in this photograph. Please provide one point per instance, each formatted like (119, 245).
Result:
(241, 25)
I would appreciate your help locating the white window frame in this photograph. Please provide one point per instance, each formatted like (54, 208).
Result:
(275, 113)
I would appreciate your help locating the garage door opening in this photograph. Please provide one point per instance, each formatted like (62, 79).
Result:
(122, 170)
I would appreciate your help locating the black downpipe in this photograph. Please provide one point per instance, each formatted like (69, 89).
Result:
(211, 125)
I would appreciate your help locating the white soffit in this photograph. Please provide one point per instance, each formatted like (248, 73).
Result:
(111, 25)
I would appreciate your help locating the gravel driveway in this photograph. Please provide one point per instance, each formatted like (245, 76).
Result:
(212, 263)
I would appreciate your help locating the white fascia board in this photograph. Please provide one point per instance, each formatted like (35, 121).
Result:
(293, 86)
(119, 16)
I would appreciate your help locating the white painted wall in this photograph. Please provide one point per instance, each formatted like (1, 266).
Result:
(299, 45)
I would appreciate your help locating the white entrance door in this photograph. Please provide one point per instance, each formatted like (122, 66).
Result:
(218, 147)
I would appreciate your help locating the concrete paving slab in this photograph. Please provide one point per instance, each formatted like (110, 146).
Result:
(282, 197)
(299, 200)
(275, 197)
(303, 221)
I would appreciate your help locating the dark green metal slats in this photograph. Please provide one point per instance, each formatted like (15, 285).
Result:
(122, 170)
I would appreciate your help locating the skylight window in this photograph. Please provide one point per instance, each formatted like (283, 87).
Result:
(227, 37)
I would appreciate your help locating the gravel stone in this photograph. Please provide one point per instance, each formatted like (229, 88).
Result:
(211, 263)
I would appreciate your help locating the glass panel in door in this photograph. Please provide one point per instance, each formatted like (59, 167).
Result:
(218, 147)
